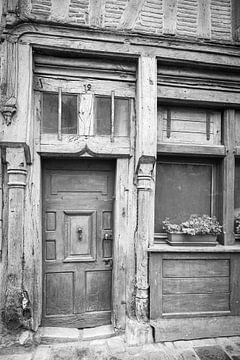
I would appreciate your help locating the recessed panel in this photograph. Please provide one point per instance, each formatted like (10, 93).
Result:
(98, 290)
(51, 250)
(80, 235)
(75, 182)
(50, 221)
(107, 220)
(59, 290)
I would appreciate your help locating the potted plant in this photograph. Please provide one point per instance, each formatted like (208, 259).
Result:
(237, 226)
(197, 230)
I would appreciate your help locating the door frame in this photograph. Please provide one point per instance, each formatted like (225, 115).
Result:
(123, 271)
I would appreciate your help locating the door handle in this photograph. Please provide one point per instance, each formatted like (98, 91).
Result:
(79, 231)
(108, 262)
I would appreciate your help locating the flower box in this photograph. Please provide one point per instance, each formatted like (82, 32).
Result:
(180, 239)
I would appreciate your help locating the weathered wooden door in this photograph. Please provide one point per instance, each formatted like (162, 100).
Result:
(77, 242)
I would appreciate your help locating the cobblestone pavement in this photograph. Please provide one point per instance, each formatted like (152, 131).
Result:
(116, 349)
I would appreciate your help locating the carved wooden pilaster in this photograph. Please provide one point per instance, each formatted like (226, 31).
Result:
(16, 170)
(144, 234)
(8, 106)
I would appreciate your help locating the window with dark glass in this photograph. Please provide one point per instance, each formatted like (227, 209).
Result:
(184, 187)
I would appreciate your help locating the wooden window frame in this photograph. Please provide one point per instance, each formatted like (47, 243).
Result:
(227, 152)
(215, 186)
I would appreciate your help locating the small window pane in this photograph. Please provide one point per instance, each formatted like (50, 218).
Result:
(121, 117)
(50, 113)
(69, 114)
(182, 189)
(103, 115)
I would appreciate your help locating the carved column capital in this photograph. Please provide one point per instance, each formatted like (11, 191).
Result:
(16, 167)
(145, 170)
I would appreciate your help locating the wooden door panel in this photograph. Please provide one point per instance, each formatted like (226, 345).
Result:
(98, 293)
(77, 228)
(80, 236)
(59, 288)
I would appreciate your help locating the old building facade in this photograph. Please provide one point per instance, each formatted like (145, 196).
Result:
(114, 115)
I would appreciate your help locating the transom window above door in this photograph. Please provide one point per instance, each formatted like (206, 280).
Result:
(85, 114)
(84, 96)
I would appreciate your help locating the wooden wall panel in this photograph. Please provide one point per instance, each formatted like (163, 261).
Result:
(195, 285)
(195, 268)
(195, 303)
(189, 285)
(188, 125)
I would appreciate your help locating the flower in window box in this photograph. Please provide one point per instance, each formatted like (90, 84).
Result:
(197, 229)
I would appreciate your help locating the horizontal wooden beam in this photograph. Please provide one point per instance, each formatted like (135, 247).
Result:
(185, 149)
(195, 328)
(72, 39)
(196, 95)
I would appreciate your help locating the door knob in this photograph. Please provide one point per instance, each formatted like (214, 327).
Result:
(79, 231)
(108, 262)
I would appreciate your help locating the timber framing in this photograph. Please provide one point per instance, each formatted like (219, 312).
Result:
(209, 77)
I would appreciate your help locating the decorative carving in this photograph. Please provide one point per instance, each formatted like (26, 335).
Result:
(9, 109)
(144, 186)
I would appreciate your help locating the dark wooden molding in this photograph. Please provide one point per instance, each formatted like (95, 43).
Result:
(4, 145)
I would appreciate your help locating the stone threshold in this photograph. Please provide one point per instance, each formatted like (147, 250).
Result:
(61, 334)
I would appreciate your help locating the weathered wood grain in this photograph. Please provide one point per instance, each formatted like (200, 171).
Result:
(99, 87)
(189, 125)
(96, 12)
(169, 16)
(130, 14)
(228, 177)
(195, 328)
(204, 19)
(156, 284)
(196, 285)
(195, 268)
(146, 107)
(235, 285)
(195, 303)
(215, 150)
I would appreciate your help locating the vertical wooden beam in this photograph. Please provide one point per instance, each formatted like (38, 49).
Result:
(112, 115)
(146, 143)
(169, 17)
(96, 12)
(155, 279)
(122, 241)
(59, 113)
(228, 177)
(1, 204)
(235, 284)
(204, 19)
(16, 169)
(146, 150)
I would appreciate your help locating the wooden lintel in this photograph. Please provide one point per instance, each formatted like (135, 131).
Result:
(70, 38)
(198, 150)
